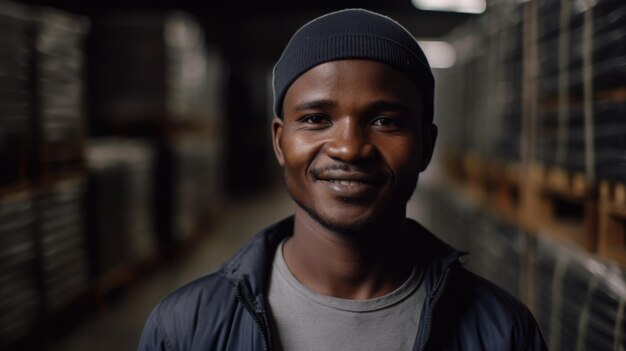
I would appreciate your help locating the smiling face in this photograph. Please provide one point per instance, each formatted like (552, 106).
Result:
(352, 143)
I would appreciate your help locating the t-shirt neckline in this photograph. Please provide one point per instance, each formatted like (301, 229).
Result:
(358, 306)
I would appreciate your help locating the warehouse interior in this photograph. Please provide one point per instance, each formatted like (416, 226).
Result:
(135, 155)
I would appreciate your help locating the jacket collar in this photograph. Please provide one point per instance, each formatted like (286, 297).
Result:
(251, 265)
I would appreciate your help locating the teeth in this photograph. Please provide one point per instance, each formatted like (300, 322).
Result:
(346, 182)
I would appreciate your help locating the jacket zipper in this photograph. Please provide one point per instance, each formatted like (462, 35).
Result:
(432, 309)
(260, 322)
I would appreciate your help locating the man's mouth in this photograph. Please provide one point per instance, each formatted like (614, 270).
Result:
(345, 182)
(347, 176)
(350, 184)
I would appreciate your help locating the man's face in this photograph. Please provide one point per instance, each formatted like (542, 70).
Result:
(352, 143)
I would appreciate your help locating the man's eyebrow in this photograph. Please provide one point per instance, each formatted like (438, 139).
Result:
(314, 104)
(384, 105)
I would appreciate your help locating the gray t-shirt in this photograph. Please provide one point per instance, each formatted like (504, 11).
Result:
(305, 320)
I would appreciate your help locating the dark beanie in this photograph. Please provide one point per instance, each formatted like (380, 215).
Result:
(353, 34)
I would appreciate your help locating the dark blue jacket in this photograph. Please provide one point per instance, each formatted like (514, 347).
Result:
(228, 309)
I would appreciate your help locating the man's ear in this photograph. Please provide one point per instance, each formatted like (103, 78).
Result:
(429, 137)
(277, 133)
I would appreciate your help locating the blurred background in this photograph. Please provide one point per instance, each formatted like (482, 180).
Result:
(135, 155)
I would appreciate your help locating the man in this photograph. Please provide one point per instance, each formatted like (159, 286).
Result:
(354, 106)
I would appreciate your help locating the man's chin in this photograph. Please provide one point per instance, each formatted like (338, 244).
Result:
(344, 225)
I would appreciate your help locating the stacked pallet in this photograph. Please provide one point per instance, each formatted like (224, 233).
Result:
(164, 72)
(164, 91)
(194, 76)
(15, 99)
(59, 176)
(64, 255)
(581, 135)
(121, 178)
(563, 192)
(580, 299)
(563, 176)
(43, 264)
(129, 84)
(482, 140)
(58, 87)
(20, 301)
(561, 123)
(485, 84)
(196, 184)
(194, 71)
(506, 88)
(153, 174)
(609, 55)
(543, 171)
(612, 221)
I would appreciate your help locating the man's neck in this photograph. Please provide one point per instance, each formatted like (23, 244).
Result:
(362, 265)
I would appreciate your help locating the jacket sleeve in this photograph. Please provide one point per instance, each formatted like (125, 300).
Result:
(533, 339)
(152, 337)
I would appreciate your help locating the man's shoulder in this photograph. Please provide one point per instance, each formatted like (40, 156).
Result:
(219, 287)
(193, 309)
(197, 294)
(483, 310)
(469, 290)
(481, 291)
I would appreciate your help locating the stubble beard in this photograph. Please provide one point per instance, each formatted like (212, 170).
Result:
(347, 229)
(339, 228)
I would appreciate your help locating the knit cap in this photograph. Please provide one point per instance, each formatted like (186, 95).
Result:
(353, 34)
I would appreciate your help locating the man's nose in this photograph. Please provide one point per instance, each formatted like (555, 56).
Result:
(350, 142)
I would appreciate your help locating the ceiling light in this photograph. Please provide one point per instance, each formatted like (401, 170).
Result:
(464, 6)
(440, 54)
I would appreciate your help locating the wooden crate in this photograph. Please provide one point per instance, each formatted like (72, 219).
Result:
(612, 221)
(58, 159)
(452, 164)
(504, 188)
(477, 180)
(611, 95)
(561, 203)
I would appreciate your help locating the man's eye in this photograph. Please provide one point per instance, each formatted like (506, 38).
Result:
(315, 119)
(384, 121)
